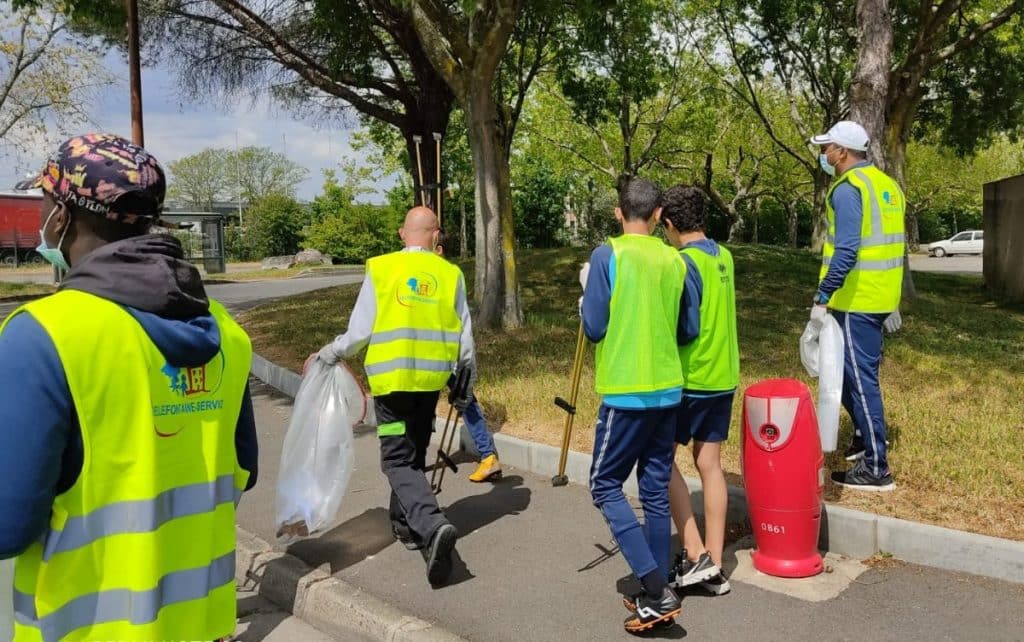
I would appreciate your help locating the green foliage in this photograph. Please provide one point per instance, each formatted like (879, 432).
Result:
(274, 225)
(238, 244)
(538, 202)
(348, 231)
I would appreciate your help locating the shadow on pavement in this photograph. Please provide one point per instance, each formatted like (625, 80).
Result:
(348, 543)
(262, 620)
(370, 532)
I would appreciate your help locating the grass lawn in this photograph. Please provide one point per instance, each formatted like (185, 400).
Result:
(952, 378)
(24, 289)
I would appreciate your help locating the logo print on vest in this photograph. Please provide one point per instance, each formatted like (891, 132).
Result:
(418, 288)
(186, 381)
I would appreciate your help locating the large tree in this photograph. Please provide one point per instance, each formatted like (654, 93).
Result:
(257, 172)
(38, 95)
(469, 45)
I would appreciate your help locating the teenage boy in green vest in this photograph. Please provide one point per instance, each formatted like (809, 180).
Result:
(632, 292)
(711, 366)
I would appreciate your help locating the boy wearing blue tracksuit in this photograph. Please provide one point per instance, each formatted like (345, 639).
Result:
(633, 288)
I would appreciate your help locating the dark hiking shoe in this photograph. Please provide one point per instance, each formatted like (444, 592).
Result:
(689, 572)
(860, 478)
(653, 612)
(439, 554)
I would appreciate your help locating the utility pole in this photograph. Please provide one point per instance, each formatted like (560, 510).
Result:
(238, 179)
(135, 72)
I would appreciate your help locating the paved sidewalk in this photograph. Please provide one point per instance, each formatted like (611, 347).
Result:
(261, 621)
(532, 566)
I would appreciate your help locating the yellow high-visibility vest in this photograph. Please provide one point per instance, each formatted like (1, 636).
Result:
(415, 342)
(875, 283)
(142, 546)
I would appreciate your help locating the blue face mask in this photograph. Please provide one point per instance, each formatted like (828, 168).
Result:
(823, 161)
(53, 255)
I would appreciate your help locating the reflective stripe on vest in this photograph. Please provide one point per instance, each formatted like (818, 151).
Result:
(636, 354)
(140, 516)
(874, 283)
(414, 344)
(711, 362)
(142, 544)
(118, 605)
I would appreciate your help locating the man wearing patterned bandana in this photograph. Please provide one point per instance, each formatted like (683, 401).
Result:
(126, 427)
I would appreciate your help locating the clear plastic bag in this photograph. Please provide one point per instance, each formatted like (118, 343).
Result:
(821, 351)
(317, 458)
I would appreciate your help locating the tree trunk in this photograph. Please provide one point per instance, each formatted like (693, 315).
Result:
(792, 220)
(869, 91)
(463, 241)
(498, 293)
(736, 225)
(821, 185)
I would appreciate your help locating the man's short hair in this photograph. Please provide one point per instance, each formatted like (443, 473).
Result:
(639, 199)
(686, 207)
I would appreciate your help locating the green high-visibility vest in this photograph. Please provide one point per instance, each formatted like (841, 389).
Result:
(638, 353)
(712, 361)
(876, 281)
(415, 342)
(142, 546)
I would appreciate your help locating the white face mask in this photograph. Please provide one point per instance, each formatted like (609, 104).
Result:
(53, 255)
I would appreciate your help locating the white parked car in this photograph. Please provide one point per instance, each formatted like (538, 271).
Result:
(969, 242)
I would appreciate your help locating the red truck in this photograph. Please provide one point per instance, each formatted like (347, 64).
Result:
(19, 227)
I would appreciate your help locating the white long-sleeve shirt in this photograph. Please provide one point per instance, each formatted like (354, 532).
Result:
(364, 317)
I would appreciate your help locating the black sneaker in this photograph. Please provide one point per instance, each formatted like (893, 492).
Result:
(403, 535)
(860, 478)
(439, 554)
(653, 611)
(717, 585)
(688, 573)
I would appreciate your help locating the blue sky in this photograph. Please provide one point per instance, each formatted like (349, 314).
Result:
(176, 127)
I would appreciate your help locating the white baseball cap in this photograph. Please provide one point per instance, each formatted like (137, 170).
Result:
(845, 133)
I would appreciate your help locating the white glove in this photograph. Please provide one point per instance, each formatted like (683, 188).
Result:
(327, 354)
(893, 322)
(579, 307)
(818, 313)
(584, 274)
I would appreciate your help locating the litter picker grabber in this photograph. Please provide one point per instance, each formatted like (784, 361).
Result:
(437, 203)
(570, 408)
(451, 428)
(418, 140)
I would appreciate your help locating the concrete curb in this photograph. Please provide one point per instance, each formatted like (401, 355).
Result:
(843, 531)
(325, 602)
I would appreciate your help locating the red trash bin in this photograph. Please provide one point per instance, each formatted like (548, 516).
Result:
(784, 477)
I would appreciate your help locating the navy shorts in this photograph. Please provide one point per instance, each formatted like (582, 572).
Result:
(704, 419)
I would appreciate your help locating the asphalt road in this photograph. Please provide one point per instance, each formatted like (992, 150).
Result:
(245, 295)
(968, 265)
(532, 567)
(261, 621)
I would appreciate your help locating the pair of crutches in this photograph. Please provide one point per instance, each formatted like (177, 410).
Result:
(444, 447)
(570, 408)
(418, 140)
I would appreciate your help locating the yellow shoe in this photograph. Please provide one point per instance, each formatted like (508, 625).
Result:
(488, 470)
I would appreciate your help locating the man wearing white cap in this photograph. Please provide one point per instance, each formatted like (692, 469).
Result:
(860, 284)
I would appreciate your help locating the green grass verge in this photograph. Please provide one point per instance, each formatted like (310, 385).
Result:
(24, 289)
(951, 378)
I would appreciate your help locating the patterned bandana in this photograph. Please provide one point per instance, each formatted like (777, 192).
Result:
(95, 170)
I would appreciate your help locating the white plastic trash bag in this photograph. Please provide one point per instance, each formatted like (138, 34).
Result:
(6, 599)
(317, 459)
(821, 351)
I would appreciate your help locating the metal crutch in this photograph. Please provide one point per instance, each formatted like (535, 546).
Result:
(418, 140)
(570, 408)
(444, 447)
(437, 203)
